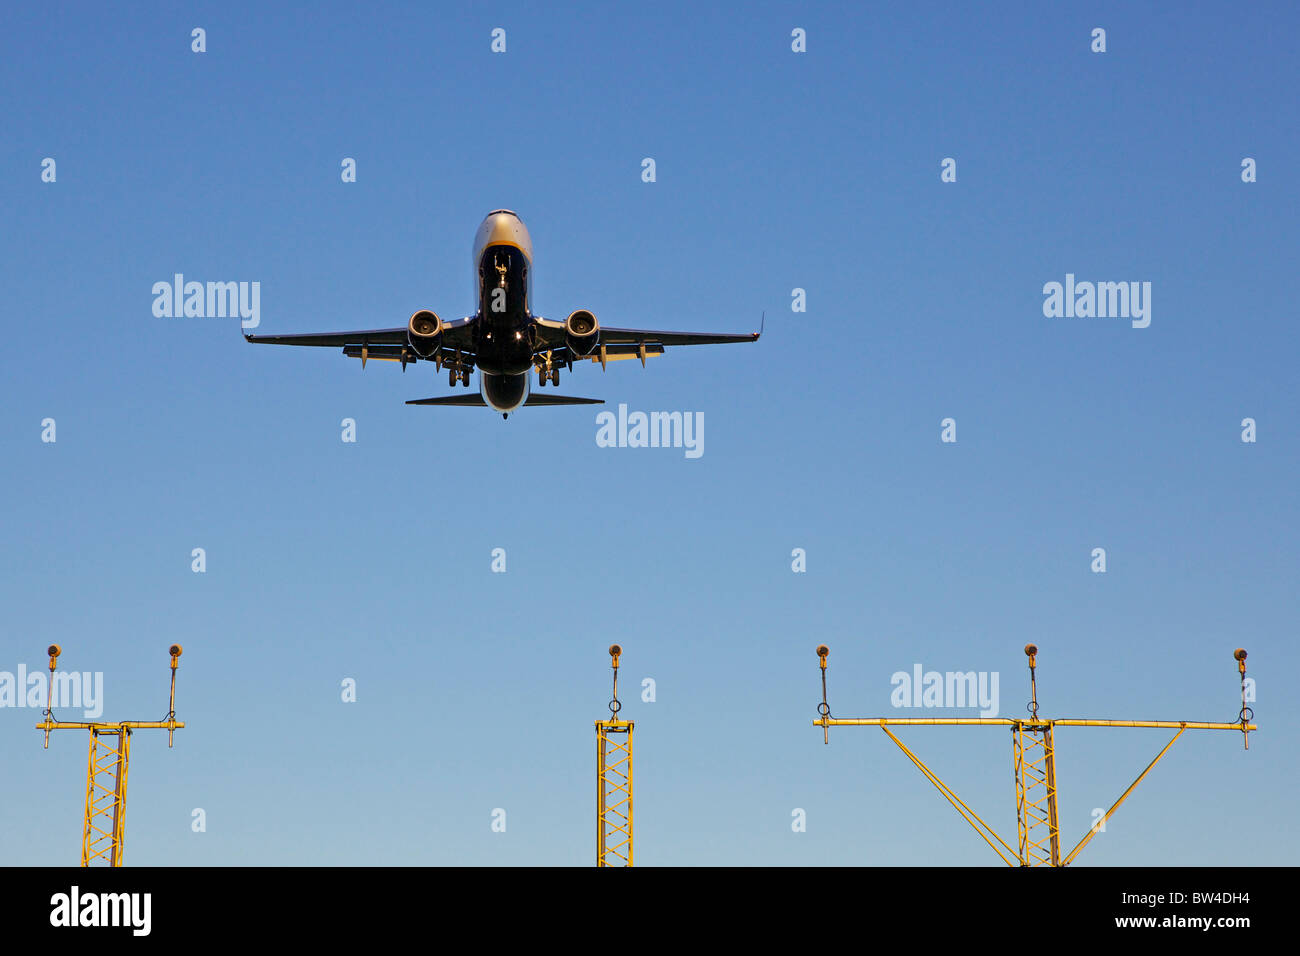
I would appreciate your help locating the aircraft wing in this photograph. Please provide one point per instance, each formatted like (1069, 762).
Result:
(336, 340)
(553, 337)
(649, 336)
(455, 335)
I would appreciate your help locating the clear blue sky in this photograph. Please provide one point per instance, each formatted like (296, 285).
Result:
(776, 171)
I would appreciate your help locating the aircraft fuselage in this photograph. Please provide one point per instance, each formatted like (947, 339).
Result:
(504, 334)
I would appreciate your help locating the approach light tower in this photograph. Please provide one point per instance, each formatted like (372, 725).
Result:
(614, 782)
(104, 827)
(1034, 749)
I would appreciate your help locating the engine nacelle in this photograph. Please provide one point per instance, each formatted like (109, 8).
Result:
(424, 332)
(581, 332)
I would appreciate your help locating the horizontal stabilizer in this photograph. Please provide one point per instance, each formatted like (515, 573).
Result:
(451, 400)
(533, 399)
(538, 398)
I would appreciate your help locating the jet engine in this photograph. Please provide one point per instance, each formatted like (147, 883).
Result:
(424, 332)
(581, 332)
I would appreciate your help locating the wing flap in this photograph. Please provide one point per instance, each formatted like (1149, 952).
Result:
(620, 353)
(381, 353)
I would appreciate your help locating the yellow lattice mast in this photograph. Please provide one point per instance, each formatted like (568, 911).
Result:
(1034, 751)
(103, 829)
(614, 782)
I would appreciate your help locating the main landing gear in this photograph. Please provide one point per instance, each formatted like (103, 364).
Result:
(461, 375)
(547, 371)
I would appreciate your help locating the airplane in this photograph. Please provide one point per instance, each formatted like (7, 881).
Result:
(503, 339)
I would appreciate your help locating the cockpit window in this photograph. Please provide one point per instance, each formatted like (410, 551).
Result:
(508, 212)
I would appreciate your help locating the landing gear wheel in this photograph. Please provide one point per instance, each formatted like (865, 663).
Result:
(464, 378)
(541, 377)
(555, 376)
(451, 376)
